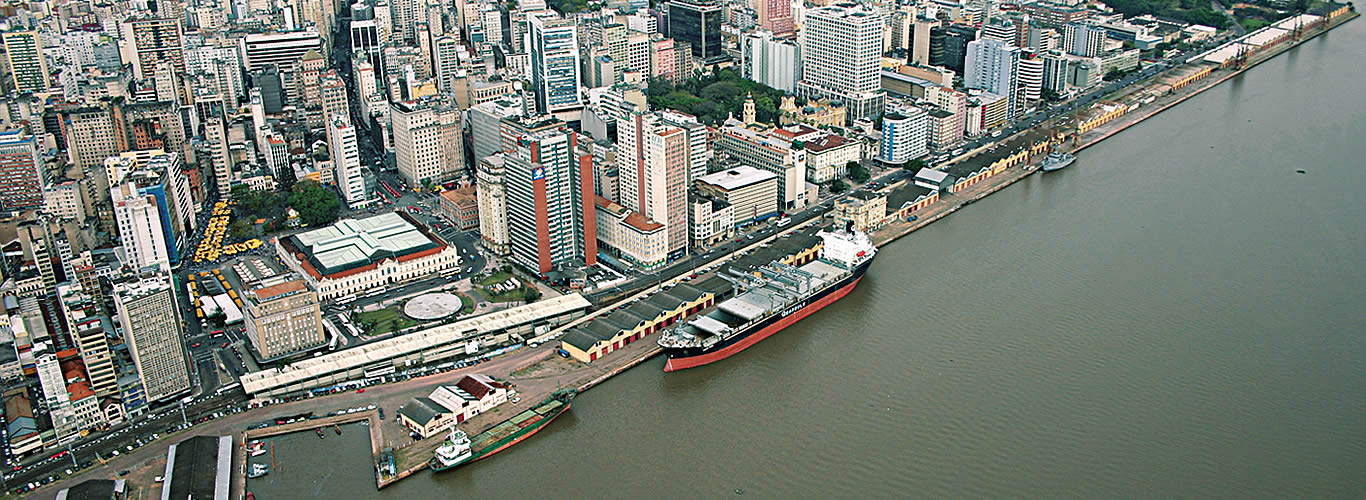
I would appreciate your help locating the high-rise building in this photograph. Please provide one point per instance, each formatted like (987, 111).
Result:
(1083, 39)
(551, 219)
(150, 319)
(427, 141)
(283, 319)
(148, 41)
(486, 124)
(1029, 78)
(1054, 71)
(159, 175)
(905, 136)
(949, 45)
(554, 63)
(698, 24)
(841, 57)
(775, 16)
(769, 61)
(920, 44)
(21, 172)
(140, 226)
(91, 136)
(28, 69)
(87, 330)
(493, 209)
(346, 166)
(666, 184)
(993, 65)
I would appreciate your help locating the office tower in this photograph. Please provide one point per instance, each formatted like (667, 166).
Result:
(267, 79)
(158, 176)
(486, 123)
(775, 16)
(283, 319)
(332, 93)
(1003, 30)
(632, 131)
(91, 136)
(992, 65)
(554, 63)
(614, 38)
(346, 166)
(224, 64)
(698, 24)
(1029, 78)
(666, 185)
(1083, 39)
(427, 141)
(83, 322)
(216, 140)
(140, 226)
(769, 61)
(841, 57)
(150, 319)
(949, 45)
(550, 210)
(492, 197)
(151, 41)
(905, 136)
(28, 69)
(21, 172)
(920, 43)
(1042, 39)
(446, 62)
(954, 102)
(1054, 71)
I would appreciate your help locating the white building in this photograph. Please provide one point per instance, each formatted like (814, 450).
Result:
(841, 57)
(768, 61)
(554, 63)
(427, 142)
(493, 212)
(140, 229)
(358, 256)
(992, 65)
(346, 166)
(632, 237)
(64, 199)
(905, 136)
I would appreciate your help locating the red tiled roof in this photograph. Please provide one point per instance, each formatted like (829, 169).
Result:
(830, 141)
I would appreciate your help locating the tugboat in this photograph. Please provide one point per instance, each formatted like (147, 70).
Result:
(1057, 161)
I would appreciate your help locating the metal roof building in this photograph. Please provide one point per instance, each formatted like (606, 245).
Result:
(355, 243)
(413, 349)
(198, 467)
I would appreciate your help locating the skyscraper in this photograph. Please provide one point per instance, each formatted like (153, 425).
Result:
(149, 41)
(698, 24)
(28, 69)
(493, 208)
(554, 63)
(21, 172)
(992, 65)
(147, 311)
(550, 210)
(427, 143)
(841, 57)
(949, 45)
(666, 184)
(769, 61)
(140, 226)
(346, 167)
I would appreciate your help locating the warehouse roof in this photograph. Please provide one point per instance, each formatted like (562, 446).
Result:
(737, 177)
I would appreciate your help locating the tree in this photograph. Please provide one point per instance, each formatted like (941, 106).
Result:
(532, 295)
(316, 205)
(858, 172)
(239, 229)
(915, 164)
(287, 179)
(838, 186)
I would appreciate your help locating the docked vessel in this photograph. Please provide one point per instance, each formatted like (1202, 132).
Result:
(460, 449)
(1057, 161)
(769, 299)
(258, 470)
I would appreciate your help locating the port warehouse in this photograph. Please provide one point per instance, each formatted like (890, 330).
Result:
(434, 344)
(592, 340)
(198, 467)
(1231, 53)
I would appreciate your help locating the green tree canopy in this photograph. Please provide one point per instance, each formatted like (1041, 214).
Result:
(838, 186)
(915, 164)
(316, 205)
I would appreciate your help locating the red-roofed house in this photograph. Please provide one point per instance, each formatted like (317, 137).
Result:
(630, 236)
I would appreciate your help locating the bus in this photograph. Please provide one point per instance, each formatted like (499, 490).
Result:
(345, 299)
(227, 388)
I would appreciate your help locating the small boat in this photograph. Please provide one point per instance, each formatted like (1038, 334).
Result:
(320, 433)
(258, 452)
(337, 428)
(250, 496)
(257, 470)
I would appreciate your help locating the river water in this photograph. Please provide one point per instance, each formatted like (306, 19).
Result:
(1178, 314)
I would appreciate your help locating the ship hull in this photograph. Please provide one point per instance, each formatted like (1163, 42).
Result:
(682, 359)
(504, 444)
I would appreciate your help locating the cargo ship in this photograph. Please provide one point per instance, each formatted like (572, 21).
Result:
(769, 299)
(1057, 161)
(460, 449)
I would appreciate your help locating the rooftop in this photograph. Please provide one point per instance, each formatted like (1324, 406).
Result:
(355, 243)
(737, 177)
